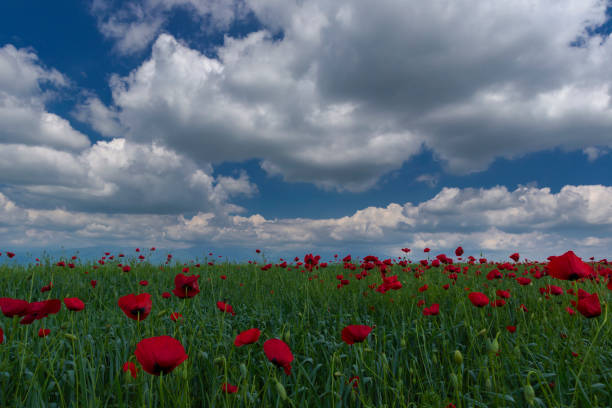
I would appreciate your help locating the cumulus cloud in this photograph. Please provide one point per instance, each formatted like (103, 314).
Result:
(531, 220)
(348, 91)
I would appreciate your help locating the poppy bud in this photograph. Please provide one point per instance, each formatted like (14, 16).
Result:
(454, 380)
(403, 342)
(482, 332)
(243, 370)
(162, 313)
(70, 336)
(281, 391)
(458, 357)
(493, 346)
(337, 374)
(286, 336)
(529, 394)
(219, 361)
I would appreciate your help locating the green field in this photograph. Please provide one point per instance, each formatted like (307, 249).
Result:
(464, 356)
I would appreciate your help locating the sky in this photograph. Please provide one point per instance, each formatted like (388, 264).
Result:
(325, 126)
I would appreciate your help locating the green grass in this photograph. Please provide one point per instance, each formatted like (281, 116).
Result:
(407, 360)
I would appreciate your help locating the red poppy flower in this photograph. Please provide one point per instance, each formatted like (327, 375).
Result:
(175, 316)
(459, 251)
(568, 267)
(478, 299)
(143, 283)
(503, 294)
(226, 307)
(166, 295)
(126, 268)
(132, 368)
(423, 288)
(432, 310)
(13, 307)
(589, 306)
(570, 311)
(74, 304)
(10, 254)
(1, 334)
(223, 277)
(247, 337)
(511, 329)
(446, 286)
(136, 307)
(186, 286)
(93, 283)
(160, 354)
(279, 353)
(39, 310)
(494, 274)
(43, 332)
(354, 380)
(498, 303)
(515, 257)
(46, 288)
(555, 290)
(426, 250)
(229, 388)
(523, 281)
(355, 333)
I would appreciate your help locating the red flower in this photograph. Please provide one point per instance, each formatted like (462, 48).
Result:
(186, 286)
(126, 268)
(43, 332)
(523, 281)
(478, 299)
(432, 310)
(10, 254)
(257, 250)
(503, 294)
(568, 267)
(511, 329)
(93, 283)
(160, 354)
(226, 307)
(39, 310)
(1, 333)
(423, 288)
(355, 333)
(354, 380)
(515, 257)
(570, 311)
(136, 307)
(589, 306)
(279, 353)
(74, 304)
(498, 303)
(555, 290)
(46, 288)
(132, 367)
(143, 283)
(166, 295)
(247, 337)
(426, 250)
(459, 251)
(13, 307)
(175, 316)
(229, 388)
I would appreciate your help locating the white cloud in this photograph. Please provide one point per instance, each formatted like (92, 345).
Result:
(494, 221)
(349, 91)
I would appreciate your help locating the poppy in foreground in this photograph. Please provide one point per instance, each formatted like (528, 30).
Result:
(589, 306)
(74, 304)
(186, 286)
(131, 367)
(478, 299)
(432, 310)
(355, 333)
(39, 310)
(568, 267)
(247, 337)
(226, 307)
(160, 354)
(136, 307)
(13, 307)
(279, 353)
(229, 388)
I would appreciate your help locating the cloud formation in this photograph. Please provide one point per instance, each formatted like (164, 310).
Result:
(339, 93)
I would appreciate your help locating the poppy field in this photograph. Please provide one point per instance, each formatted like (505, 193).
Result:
(419, 330)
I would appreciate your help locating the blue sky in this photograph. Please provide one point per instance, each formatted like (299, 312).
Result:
(322, 126)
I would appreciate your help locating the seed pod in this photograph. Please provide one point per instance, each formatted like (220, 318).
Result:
(219, 361)
(281, 391)
(458, 357)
